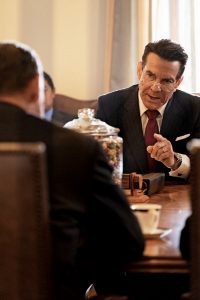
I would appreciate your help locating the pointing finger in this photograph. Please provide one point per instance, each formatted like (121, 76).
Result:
(159, 137)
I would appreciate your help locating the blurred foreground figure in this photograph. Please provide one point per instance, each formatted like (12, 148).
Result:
(94, 233)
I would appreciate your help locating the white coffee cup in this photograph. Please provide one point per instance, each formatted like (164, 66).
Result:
(148, 215)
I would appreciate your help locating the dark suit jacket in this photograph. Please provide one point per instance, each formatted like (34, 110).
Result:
(60, 117)
(121, 109)
(94, 232)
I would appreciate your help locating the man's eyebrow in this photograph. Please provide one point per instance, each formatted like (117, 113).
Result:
(164, 78)
(150, 72)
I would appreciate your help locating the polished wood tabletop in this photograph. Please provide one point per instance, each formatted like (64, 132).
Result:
(175, 202)
(162, 274)
(163, 253)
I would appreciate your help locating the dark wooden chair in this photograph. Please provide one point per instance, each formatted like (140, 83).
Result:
(66, 108)
(194, 294)
(25, 252)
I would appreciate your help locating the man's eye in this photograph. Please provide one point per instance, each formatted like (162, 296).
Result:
(168, 81)
(150, 76)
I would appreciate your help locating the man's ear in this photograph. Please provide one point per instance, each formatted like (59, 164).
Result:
(34, 90)
(31, 97)
(178, 82)
(31, 93)
(54, 93)
(139, 70)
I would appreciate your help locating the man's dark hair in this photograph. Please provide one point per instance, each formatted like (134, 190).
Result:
(49, 80)
(168, 50)
(17, 68)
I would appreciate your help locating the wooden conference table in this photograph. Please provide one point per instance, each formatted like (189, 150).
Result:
(162, 273)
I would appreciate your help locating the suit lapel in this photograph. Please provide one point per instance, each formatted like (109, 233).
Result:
(172, 120)
(132, 131)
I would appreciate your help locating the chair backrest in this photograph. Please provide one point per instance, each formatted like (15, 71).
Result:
(69, 106)
(195, 219)
(25, 252)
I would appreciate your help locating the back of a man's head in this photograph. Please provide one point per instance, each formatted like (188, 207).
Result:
(19, 66)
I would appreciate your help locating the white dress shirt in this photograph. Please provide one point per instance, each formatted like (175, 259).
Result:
(184, 169)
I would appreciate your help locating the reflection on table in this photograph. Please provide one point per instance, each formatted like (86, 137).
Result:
(162, 264)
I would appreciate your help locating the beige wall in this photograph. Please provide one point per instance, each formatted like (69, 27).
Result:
(67, 34)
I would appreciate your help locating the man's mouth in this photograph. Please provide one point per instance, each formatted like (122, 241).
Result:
(154, 97)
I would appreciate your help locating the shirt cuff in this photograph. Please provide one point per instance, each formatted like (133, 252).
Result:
(184, 169)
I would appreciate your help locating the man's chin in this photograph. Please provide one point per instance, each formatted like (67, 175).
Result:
(152, 105)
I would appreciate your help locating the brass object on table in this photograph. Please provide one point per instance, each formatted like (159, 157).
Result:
(134, 188)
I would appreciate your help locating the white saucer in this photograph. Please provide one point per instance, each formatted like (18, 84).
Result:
(158, 233)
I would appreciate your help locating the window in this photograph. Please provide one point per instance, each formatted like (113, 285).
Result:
(179, 20)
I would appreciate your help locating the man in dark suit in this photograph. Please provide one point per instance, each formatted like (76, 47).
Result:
(51, 113)
(94, 232)
(178, 114)
(49, 93)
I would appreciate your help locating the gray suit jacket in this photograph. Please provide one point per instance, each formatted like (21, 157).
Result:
(121, 109)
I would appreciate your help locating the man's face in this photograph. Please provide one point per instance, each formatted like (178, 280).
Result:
(157, 80)
(41, 100)
(49, 96)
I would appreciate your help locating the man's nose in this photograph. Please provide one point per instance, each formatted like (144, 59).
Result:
(156, 86)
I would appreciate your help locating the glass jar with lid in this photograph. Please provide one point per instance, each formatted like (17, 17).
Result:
(107, 135)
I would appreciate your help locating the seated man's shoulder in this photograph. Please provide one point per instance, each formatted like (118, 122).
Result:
(76, 140)
(189, 103)
(120, 92)
(187, 96)
(60, 117)
(59, 134)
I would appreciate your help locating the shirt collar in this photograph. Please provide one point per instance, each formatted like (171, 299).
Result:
(48, 114)
(143, 108)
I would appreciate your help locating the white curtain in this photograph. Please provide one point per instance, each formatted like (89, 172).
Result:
(120, 55)
(134, 23)
(180, 21)
(124, 43)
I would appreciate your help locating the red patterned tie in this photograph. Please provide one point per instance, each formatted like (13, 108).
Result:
(151, 128)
